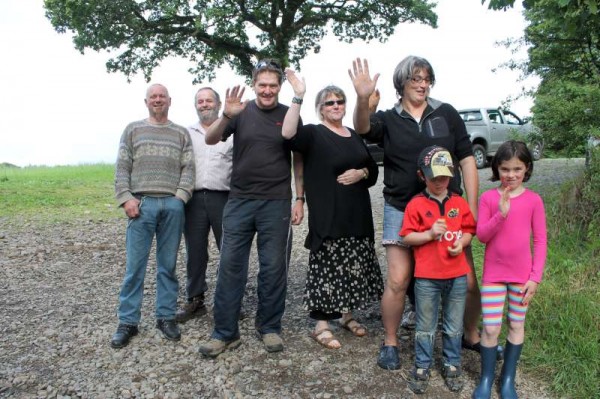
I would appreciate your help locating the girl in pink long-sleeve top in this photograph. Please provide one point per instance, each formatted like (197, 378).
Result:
(511, 223)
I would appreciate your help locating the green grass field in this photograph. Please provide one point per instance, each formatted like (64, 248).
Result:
(563, 324)
(55, 194)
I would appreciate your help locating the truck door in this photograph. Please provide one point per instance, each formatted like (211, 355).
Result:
(499, 129)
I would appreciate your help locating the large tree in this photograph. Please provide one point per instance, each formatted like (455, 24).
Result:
(142, 33)
(562, 39)
(563, 47)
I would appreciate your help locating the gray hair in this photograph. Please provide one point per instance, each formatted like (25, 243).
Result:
(268, 65)
(323, 94)
(407, 67)
(217, 97)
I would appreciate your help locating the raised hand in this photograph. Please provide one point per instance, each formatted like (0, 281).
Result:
(374, 101)
(361, 78)
(233, 101)
(504, 204)
(298, 85)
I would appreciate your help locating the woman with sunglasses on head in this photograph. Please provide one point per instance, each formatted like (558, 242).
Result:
(416, 121)
(343, 271)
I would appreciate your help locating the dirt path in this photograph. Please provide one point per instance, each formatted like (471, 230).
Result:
(58, 296)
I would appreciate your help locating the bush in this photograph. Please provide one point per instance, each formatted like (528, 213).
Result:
(563, 335)
(567, 114)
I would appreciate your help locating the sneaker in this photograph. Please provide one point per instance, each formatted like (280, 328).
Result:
(193, 308)
(272, 341)
(452, 379)
(388, 358)
(169, 329)
(418, 380)
(214, 347)
(121, 337)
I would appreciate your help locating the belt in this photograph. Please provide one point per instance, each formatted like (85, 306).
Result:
(204, 190)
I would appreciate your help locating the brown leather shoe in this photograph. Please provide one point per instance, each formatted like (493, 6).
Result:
(192, 309)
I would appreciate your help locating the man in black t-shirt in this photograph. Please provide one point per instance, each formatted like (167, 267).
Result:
(259, 203)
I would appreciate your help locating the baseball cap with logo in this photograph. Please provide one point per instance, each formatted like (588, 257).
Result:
(436, 161)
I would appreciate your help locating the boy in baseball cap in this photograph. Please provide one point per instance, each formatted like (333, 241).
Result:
(438, 224)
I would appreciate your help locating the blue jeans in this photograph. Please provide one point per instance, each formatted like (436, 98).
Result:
(242, 219)
(428, 292)
(392, 223)
(163, 216)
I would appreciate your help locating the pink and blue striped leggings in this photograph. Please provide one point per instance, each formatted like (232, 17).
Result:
(493, 296)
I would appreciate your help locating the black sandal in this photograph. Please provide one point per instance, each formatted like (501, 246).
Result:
(476, 347)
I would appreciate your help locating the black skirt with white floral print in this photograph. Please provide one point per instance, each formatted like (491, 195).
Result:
(343, 275)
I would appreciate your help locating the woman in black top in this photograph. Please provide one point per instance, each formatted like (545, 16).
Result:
(343, 271)
(416, 121)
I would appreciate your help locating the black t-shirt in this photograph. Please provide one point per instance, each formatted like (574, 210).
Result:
(334, 210)
(261, 156)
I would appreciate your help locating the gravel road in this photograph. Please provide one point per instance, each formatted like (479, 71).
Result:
(58, 298)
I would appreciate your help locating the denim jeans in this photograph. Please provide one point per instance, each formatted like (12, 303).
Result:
(452, 293)
(242, 219)
(203, 212)
(163, 216)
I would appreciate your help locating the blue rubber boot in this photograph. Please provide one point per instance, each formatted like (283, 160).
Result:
(512, 353)
(488, 371)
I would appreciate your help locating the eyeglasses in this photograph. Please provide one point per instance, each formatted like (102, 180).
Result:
(419, 79)
(332, 102)
(268, 64)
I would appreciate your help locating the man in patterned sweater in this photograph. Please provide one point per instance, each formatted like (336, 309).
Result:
(154, 178)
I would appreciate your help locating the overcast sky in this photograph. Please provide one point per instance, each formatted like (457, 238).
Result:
(60, 107)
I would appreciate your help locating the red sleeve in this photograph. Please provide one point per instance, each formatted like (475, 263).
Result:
(411, 222)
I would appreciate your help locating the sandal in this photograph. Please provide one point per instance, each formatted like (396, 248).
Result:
(476, 347)
(327, 342)
(357, 329)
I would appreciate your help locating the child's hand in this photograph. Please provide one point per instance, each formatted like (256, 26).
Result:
(438, 229)
(529, 289)
(456, 248)
(504, 203)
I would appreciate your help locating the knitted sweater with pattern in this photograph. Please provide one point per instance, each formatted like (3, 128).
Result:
(155, 160)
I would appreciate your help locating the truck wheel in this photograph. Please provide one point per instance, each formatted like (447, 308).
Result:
(480, 156)
(536, 149)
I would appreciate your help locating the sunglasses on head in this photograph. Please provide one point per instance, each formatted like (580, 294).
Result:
(267, 64)
(331, 102)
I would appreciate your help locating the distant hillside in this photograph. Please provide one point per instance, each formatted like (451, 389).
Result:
(8, 165)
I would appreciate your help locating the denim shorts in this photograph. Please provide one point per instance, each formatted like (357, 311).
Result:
(392, 223)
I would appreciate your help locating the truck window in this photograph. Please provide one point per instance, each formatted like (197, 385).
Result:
(511, 118)
(494, 116)
(471, 116)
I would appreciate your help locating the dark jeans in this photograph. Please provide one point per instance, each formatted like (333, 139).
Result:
(202, 212)
(242, 219)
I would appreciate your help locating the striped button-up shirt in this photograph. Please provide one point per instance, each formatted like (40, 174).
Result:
(213, 162)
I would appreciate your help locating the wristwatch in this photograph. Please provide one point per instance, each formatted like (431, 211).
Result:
(301, 198)
(297, 100)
